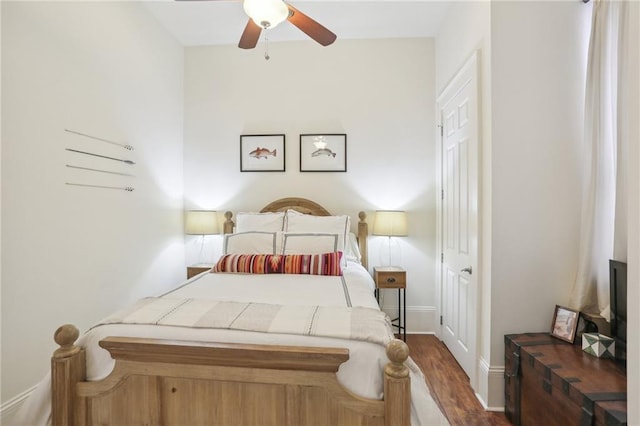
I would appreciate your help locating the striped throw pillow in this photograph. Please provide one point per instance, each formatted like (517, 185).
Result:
(306, 264)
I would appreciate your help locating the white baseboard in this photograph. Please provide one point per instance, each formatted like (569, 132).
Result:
(8, 409)
(420, 319)
(490, 391)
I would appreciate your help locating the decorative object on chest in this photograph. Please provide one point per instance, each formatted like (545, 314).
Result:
(565, 323)
(551, 382)
(598, 345)
(394, 277)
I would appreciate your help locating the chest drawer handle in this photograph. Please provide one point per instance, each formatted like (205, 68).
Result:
(391, 280)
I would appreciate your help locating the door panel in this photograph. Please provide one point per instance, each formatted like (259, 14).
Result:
(463, 196)
(449, 302)
(459, 216)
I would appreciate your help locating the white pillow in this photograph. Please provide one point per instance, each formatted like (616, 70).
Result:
(299, 222)
(309, 243)
(250, 243)
(266, 222)
(352, 250)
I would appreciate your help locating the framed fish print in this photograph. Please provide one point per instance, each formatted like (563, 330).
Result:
(323, 153)
(262, 153)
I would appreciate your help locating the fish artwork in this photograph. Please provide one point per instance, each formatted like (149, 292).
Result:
(262, 153)
(323, 151)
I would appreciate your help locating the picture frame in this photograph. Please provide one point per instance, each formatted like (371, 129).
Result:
(262, 153)
(323, 152)
(565, 323)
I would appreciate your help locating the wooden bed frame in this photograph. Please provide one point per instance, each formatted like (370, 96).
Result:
(171, 382)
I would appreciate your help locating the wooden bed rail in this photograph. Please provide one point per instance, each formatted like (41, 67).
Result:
(225, 354)
(157, 381)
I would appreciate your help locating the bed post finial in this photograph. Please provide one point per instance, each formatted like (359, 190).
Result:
(397, 385)
(228, 223)
(65, 336)
(398, 353)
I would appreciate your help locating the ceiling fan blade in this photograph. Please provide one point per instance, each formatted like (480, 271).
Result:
(310, 27)
(250, 35)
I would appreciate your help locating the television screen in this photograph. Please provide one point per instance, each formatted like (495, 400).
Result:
(618, 302)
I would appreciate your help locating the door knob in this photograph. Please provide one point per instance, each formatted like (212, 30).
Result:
(468, 270)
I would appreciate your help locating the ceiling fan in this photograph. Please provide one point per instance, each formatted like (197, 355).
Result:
(267, 14)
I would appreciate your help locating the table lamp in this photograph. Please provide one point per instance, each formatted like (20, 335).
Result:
(390, 223)
(201, 222)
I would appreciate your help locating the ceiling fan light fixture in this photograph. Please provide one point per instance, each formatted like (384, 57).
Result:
(266, 13)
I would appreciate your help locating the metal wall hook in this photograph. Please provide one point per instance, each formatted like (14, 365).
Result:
(125, 188)
(101, 156)
(98, 170)
(125, 146)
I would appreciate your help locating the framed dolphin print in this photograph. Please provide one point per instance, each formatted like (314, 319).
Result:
(323, 153)
(262, 153)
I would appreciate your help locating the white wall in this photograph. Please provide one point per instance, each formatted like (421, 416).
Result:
(533, 57)
(380, 93)
(72, 254)
(466, 28)
(538, 80)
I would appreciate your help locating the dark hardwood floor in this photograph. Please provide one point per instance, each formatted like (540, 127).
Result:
(449, 384)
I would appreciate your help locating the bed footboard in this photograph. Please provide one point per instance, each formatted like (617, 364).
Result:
(177, 382)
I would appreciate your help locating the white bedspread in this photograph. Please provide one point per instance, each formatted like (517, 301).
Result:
(355, 288)
(361, 374)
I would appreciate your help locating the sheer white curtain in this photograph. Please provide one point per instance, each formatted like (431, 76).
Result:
(603, 224)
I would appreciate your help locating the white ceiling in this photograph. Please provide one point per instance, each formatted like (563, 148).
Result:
(195, 23)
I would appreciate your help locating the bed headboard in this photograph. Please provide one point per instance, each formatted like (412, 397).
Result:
(306, 206)
(301, 205)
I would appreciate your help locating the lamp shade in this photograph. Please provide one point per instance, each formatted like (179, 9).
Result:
(266, 13)
(201, 222)
(391, 223)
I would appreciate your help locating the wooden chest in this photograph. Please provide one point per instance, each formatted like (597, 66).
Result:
(551, 382)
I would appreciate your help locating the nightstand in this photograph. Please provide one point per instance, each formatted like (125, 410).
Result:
(394, 277)
(194, 270)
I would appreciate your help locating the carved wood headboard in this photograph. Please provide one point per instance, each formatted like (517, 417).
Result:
(306, 206)
(301, 205)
